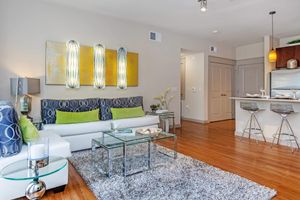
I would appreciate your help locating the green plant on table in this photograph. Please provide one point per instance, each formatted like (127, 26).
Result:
(155, 107)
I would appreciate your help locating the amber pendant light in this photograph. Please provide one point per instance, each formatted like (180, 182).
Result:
(272, 53)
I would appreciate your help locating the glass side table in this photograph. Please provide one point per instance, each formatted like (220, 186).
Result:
(19, 171)
(164, 119)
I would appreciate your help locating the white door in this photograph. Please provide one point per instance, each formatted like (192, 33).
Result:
(220, 89)
(250, 79)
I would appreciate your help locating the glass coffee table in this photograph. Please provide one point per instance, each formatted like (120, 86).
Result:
(19, 171)
(165, 136)
(118, 139)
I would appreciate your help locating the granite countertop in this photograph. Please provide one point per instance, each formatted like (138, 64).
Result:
(266, 99)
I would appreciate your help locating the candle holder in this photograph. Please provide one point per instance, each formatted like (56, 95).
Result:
(38, 153)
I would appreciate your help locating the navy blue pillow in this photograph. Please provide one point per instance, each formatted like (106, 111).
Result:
(10, 134)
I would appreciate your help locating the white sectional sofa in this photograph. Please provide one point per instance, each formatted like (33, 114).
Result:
(80, 135)
(57, 147)
(64, 138)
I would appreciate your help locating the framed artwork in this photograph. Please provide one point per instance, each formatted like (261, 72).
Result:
(56, 65)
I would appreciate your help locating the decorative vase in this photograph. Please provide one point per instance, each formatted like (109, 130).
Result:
(38, 153)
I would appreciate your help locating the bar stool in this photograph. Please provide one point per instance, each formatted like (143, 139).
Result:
(252, 126)
(284, 110)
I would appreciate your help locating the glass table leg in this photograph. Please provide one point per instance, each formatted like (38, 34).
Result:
(109, 168)
(124, 160)
(175, 147)
(93, 153)
(149, 154)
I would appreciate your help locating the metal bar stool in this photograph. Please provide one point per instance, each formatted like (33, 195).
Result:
(284, 110)
(252, 126)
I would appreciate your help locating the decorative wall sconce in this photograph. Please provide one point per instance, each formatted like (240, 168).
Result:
(122, 71)
(99, 66)
(72, 70)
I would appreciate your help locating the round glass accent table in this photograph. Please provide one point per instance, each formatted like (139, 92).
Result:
(19, 171)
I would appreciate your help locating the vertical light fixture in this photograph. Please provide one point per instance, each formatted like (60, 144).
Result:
(122, 71)
(72, 71)
(203, 5)
(99, 66)
(272, 53)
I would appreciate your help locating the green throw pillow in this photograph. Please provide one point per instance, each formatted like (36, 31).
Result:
(63, 117)
(29, 131)
(123, 113)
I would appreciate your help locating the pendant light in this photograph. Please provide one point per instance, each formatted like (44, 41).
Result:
(203, 5)
(272, 53)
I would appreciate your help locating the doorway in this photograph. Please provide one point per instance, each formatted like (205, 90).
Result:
(192, 86)
(220, 88)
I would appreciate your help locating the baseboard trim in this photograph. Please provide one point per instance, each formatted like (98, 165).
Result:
(195, 120)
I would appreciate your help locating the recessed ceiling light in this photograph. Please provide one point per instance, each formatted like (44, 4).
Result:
(203, 5)
(215, 31)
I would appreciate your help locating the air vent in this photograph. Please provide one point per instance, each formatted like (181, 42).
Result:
(213, 49)
(155, 36)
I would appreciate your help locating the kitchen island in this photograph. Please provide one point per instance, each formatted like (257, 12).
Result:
(268, 120)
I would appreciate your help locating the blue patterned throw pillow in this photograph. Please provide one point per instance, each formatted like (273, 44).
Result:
(127, 102)
(10, 134)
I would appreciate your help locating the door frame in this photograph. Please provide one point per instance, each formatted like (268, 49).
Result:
(224, 61)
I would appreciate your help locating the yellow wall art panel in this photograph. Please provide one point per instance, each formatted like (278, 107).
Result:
(56, 65)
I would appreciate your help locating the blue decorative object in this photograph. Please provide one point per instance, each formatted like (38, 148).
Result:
(49, 106)
(10, 134)
(129, 102)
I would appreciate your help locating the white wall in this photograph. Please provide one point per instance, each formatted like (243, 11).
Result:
(193, 107)
(27, 25)
(255, 50)
(283, 41)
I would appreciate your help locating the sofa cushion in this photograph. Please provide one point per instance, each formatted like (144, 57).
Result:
(147, 120)
(77, 129)
(10, 134)
(124, 113)
(49, 106)
(128, 102)
(29, 131)
(57, 147)
(63, 117)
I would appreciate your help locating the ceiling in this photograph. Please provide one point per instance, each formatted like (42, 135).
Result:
(239, 22)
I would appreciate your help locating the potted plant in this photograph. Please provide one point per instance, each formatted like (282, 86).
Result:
(164, 99)
(154, 107)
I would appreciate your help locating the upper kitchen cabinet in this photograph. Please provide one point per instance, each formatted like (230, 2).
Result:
(286, 53)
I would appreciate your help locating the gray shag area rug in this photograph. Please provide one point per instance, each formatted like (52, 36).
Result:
(168, 179)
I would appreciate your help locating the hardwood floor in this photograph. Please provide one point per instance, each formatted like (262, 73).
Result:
(216, 145)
